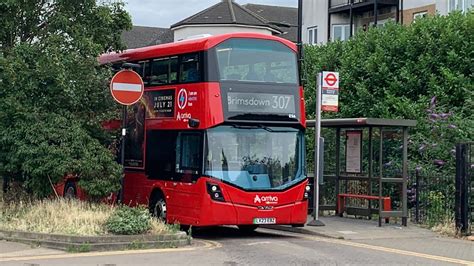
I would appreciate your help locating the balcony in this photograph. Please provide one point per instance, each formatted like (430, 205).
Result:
(344, 6)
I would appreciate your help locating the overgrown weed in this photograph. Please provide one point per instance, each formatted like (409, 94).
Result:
(70, 217)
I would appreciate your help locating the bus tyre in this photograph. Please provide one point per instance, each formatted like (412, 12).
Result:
(70, 191)
(297, 225)
(247, 228)
(185, 228)
(158, 206)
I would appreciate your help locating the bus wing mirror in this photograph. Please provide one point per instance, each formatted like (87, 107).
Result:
(193, 122)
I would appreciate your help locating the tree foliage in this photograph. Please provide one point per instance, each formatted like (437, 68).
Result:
(423, 71)
(54, 94)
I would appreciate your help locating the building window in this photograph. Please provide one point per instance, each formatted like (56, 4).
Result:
(380, 23)
(462, 5)
(313, 35)
(420, 15)
(340, 32)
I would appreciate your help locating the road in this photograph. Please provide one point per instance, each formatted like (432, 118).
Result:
(228, 246)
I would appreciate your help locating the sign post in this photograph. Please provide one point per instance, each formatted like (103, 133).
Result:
(127, 88)
(330, 91)
(327, 89)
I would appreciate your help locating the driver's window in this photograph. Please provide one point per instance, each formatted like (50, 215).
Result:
(189, 153)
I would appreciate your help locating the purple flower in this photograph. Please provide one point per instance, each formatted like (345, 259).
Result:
(432, 120)
(452, 126)
(434, 116)
(429, 111)
(433, 102)
(444, 115)
(439, 162)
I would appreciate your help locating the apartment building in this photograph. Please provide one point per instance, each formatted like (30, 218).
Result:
(328, 20)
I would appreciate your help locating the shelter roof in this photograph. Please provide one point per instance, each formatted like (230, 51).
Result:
(363, 122)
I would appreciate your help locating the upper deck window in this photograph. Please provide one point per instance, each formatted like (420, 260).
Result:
(163, 71)
(190, 71)
(168, 70)
(256, 60)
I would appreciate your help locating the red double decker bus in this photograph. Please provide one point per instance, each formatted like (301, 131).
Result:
(218, 137)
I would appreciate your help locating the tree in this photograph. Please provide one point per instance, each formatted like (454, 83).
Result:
(54, 94)
(422, 71)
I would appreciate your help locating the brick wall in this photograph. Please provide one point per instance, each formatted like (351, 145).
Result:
(408, 13)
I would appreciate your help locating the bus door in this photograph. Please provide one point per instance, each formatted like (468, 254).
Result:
(189, 150)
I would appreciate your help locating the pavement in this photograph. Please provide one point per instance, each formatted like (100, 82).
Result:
(358, 229)
(229, 246)
(13, 249)
(340, 241)
(411, 238)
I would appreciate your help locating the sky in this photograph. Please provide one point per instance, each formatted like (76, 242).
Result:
(163, 13)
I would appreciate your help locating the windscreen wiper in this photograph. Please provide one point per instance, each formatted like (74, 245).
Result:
(269, 129)
(250, 115)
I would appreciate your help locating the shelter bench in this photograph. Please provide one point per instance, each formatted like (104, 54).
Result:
(341, 202)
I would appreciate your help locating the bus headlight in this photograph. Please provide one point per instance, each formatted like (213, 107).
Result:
(307, 190)
(215, 192)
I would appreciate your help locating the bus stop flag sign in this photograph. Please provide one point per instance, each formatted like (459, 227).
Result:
(126, 87)
(330, 92)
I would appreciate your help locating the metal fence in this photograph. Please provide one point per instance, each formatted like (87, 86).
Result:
(337, 3)
(464, 199)
(431, 198)
(445, 196)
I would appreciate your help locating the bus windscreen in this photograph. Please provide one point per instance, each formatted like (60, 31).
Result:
(255, 158)
(256, 60)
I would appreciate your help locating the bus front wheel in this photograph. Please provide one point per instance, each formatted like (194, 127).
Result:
(158, 206)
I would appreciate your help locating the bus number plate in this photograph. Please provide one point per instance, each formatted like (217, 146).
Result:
(264, 221)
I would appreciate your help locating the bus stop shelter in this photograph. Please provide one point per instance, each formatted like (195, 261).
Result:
(365, 167)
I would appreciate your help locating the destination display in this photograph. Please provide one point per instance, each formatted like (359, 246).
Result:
(243, 102)
(160, 104)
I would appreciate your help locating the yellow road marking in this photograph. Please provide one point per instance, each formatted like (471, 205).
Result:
(207, 245)
(389, 250)
(399, 251)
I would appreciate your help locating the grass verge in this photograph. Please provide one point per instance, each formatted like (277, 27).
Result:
(446, 227)
(70, 217)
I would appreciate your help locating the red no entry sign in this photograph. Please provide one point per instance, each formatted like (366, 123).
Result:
(126, 87)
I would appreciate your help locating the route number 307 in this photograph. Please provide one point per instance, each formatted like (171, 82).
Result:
(281, 102)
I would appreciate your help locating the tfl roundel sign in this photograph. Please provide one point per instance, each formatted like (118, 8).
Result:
(331, 80)
(126, 87)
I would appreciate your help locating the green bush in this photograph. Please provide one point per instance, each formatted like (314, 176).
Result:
(129, 221)
(54, 95)
(422, 71)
